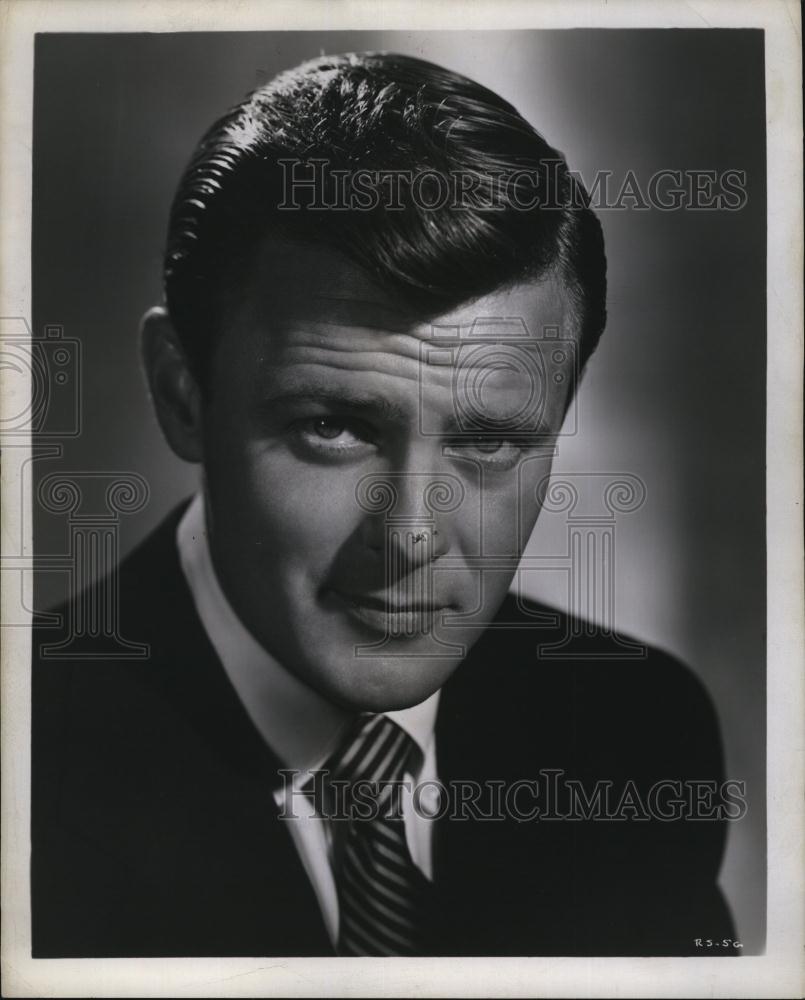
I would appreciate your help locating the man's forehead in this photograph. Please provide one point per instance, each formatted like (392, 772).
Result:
(318, 287)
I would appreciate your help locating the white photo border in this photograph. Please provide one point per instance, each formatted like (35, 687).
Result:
(777, 973)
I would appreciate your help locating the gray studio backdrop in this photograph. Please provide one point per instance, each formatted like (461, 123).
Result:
(674, 396)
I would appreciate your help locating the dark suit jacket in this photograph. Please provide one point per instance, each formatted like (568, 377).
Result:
(155, 832)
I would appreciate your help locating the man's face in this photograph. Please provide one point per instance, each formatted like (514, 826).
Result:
(372, 479)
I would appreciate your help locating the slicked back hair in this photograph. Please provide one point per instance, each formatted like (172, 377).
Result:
(372, 113)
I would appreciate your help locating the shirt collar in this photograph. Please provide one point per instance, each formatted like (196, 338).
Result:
(299, 725)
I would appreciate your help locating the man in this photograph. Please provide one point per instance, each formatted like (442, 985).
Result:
(381, 285)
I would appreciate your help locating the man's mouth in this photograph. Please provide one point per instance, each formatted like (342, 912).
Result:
(392, 614)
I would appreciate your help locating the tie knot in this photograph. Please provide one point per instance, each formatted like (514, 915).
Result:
(374, 749)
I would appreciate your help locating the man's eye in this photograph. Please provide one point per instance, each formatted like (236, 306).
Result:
(331, 435)
(327, 429)
(495, 453)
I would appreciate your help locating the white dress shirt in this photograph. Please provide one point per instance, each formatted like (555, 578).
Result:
(300, 726)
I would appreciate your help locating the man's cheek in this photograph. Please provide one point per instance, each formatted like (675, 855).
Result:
(311, 505)
(534, 477)
(504, 522)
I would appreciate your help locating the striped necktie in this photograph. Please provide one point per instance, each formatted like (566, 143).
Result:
(380, 889)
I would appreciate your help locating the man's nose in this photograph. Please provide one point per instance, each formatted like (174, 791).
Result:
(407, 513)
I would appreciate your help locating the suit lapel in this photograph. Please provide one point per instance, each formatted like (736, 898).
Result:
(223, 798)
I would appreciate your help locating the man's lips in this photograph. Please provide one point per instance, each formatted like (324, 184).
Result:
(390, 603)
(388, 613)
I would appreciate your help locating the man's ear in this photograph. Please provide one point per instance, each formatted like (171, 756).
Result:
(174, 390)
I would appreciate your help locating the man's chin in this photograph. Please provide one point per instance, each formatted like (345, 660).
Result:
(386, 684)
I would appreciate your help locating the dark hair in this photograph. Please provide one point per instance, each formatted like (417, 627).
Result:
(382, 112)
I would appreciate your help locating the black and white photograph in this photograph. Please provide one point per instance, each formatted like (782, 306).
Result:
(402, 537)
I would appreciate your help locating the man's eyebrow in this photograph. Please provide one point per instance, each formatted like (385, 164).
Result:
(366, 403)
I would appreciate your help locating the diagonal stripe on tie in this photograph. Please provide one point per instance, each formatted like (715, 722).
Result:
(395, 901)
(390, 885)
(380, 889)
